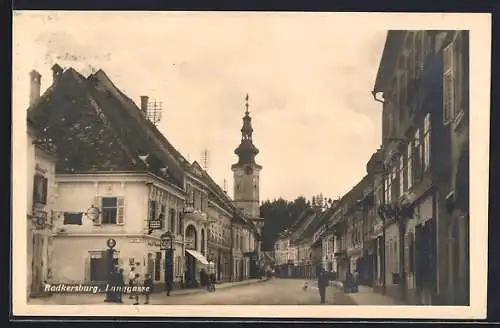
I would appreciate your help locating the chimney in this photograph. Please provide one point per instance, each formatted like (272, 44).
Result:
(56, 73)
(35, 82)
(144, 104)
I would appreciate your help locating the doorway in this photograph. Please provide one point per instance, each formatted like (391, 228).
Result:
(37, 265)
(190, 274)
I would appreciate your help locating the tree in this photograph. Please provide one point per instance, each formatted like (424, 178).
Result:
(279, 215)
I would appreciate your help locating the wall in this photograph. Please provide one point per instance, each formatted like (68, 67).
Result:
(78, 196)
(391, 258)
(75, 265)
(246, 191)
(39, 239)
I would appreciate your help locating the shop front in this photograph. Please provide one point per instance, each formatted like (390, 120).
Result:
(253, 258)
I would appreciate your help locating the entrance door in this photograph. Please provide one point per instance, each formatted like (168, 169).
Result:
(219, 267)
(190, 274)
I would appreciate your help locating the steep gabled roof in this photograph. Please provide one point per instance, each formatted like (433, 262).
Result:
(132, 123)
(85, 142)
(300, 219)
(306, 221)
(97, 128)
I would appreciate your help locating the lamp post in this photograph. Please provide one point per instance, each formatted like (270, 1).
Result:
(167, 244)
(400, 212)
(111, 280)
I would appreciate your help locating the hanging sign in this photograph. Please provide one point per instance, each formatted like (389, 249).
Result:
(111, 243)
(154, 224)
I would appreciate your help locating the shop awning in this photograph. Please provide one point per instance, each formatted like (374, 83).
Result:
(198, 256)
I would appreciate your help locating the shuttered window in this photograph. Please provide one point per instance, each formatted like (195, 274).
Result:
(402, 174)
(427, 141)
(409, 168)
(448, 83)
(112, 210)
(40, 187)
(417, 156)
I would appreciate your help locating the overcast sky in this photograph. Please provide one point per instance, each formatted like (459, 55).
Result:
(308, 76)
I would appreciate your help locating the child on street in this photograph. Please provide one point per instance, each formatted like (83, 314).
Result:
(148, 282)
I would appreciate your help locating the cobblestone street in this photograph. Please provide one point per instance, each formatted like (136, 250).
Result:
(272, 292)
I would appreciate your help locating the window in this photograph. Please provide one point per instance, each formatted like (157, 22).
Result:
(389, 181)
(427, 142)
(394, 182)
(417, 155)
(448, 83)
(180, 225)
(152, 210)
(112, 210)
(402, 174)
(163, 217)
(178, 266)
(40, 186)
(237, 187)
(409, 165)
(157, 266)
(172, 220)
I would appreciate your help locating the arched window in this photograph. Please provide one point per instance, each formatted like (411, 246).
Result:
(202, 248)
(172, 220)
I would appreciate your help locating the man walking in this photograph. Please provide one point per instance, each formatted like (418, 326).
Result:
(131, 277)
(323, 282)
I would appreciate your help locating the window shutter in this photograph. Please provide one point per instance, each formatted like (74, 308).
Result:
(448, 84)
(98, 204)
(44, 189)
(120, 210)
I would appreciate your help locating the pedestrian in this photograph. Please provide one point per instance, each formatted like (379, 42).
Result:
(203, 279)
(148, 284)
(212, 281)
(323, 283)
(168, 286)
(121, 282)
(136, 284)
(131, 277)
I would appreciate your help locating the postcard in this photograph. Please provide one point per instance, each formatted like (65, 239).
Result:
(250, 164)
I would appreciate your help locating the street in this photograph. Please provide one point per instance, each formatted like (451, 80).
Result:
(272, 292)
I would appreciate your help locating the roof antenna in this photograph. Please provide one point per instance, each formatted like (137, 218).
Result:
(204, 159)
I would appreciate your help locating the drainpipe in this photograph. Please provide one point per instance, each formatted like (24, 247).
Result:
(231, 259)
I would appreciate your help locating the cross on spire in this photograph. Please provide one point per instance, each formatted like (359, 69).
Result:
(246, 104)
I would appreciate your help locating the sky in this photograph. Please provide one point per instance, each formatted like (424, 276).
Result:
(309, 78)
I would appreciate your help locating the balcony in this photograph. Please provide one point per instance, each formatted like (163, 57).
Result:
(194, 214)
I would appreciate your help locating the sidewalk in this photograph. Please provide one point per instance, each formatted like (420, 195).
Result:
(82, 299)
(366, 296)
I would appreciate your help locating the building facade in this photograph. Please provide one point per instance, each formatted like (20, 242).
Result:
(117, 177)
(41, 163)
(423, 79)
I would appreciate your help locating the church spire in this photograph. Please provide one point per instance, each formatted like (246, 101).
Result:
(246, 151)
(246, 129)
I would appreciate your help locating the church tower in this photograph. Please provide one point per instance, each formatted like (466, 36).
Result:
(246, 171)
